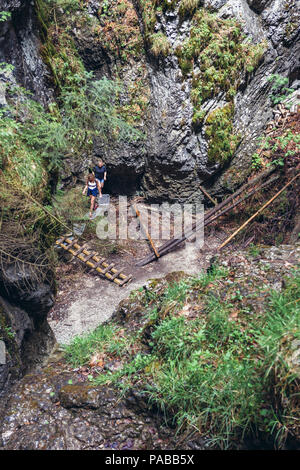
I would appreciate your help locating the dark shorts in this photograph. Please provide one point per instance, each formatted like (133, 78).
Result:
(93, 192)
(100, 181)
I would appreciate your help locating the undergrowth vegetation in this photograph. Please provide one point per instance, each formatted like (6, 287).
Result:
(203, 360)
(220, 134)
(35, 140)
(118, 30)
(58, 49)
(217, 55)
(73, 198)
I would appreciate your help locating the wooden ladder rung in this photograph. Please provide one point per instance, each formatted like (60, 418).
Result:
(99, 263)
(117, 274)
(88, 257)
(127, 279)
(79, 250)
(108, 268)
(72, 243)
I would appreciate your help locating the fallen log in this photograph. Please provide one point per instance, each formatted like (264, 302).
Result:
(208, 196)
(146, 231)
(207, 221)
(210, 217)
(257, 213)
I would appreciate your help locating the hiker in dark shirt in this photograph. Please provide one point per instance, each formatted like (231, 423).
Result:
(100, 172)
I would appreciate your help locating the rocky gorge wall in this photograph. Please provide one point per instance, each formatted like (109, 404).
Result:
(195, 82)
(192, 141)
(180, 151)
(25, 298)
(19, 47)
(24, 303)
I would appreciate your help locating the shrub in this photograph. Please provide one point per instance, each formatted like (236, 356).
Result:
(160, 44)
(222, 141)
(188, 6)
(42, 137)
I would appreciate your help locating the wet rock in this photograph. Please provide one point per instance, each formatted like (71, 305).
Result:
(79, 396)
(214, 4)
(25, 288)
(125, 163)
(27, 343)
(86, 418)
(26, 296)
(20, 46)
(137, 400)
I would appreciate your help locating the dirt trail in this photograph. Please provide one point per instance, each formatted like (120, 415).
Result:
(88, 300)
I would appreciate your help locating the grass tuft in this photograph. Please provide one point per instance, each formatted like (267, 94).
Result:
(160, 44)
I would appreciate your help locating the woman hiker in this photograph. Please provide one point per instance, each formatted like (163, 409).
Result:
(93, 188)
(100, 172)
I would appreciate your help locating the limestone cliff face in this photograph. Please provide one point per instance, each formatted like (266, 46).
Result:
(175, 157)
(19, 46)
(177, 154)
(185, 145)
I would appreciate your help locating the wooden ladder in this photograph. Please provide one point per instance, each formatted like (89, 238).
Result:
(94, 261)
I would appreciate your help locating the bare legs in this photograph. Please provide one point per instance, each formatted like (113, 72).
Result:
(92, 205)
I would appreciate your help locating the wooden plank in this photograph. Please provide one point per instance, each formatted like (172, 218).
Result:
(209, 217)
(146, 232)
(257, 212)
(208, 195)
